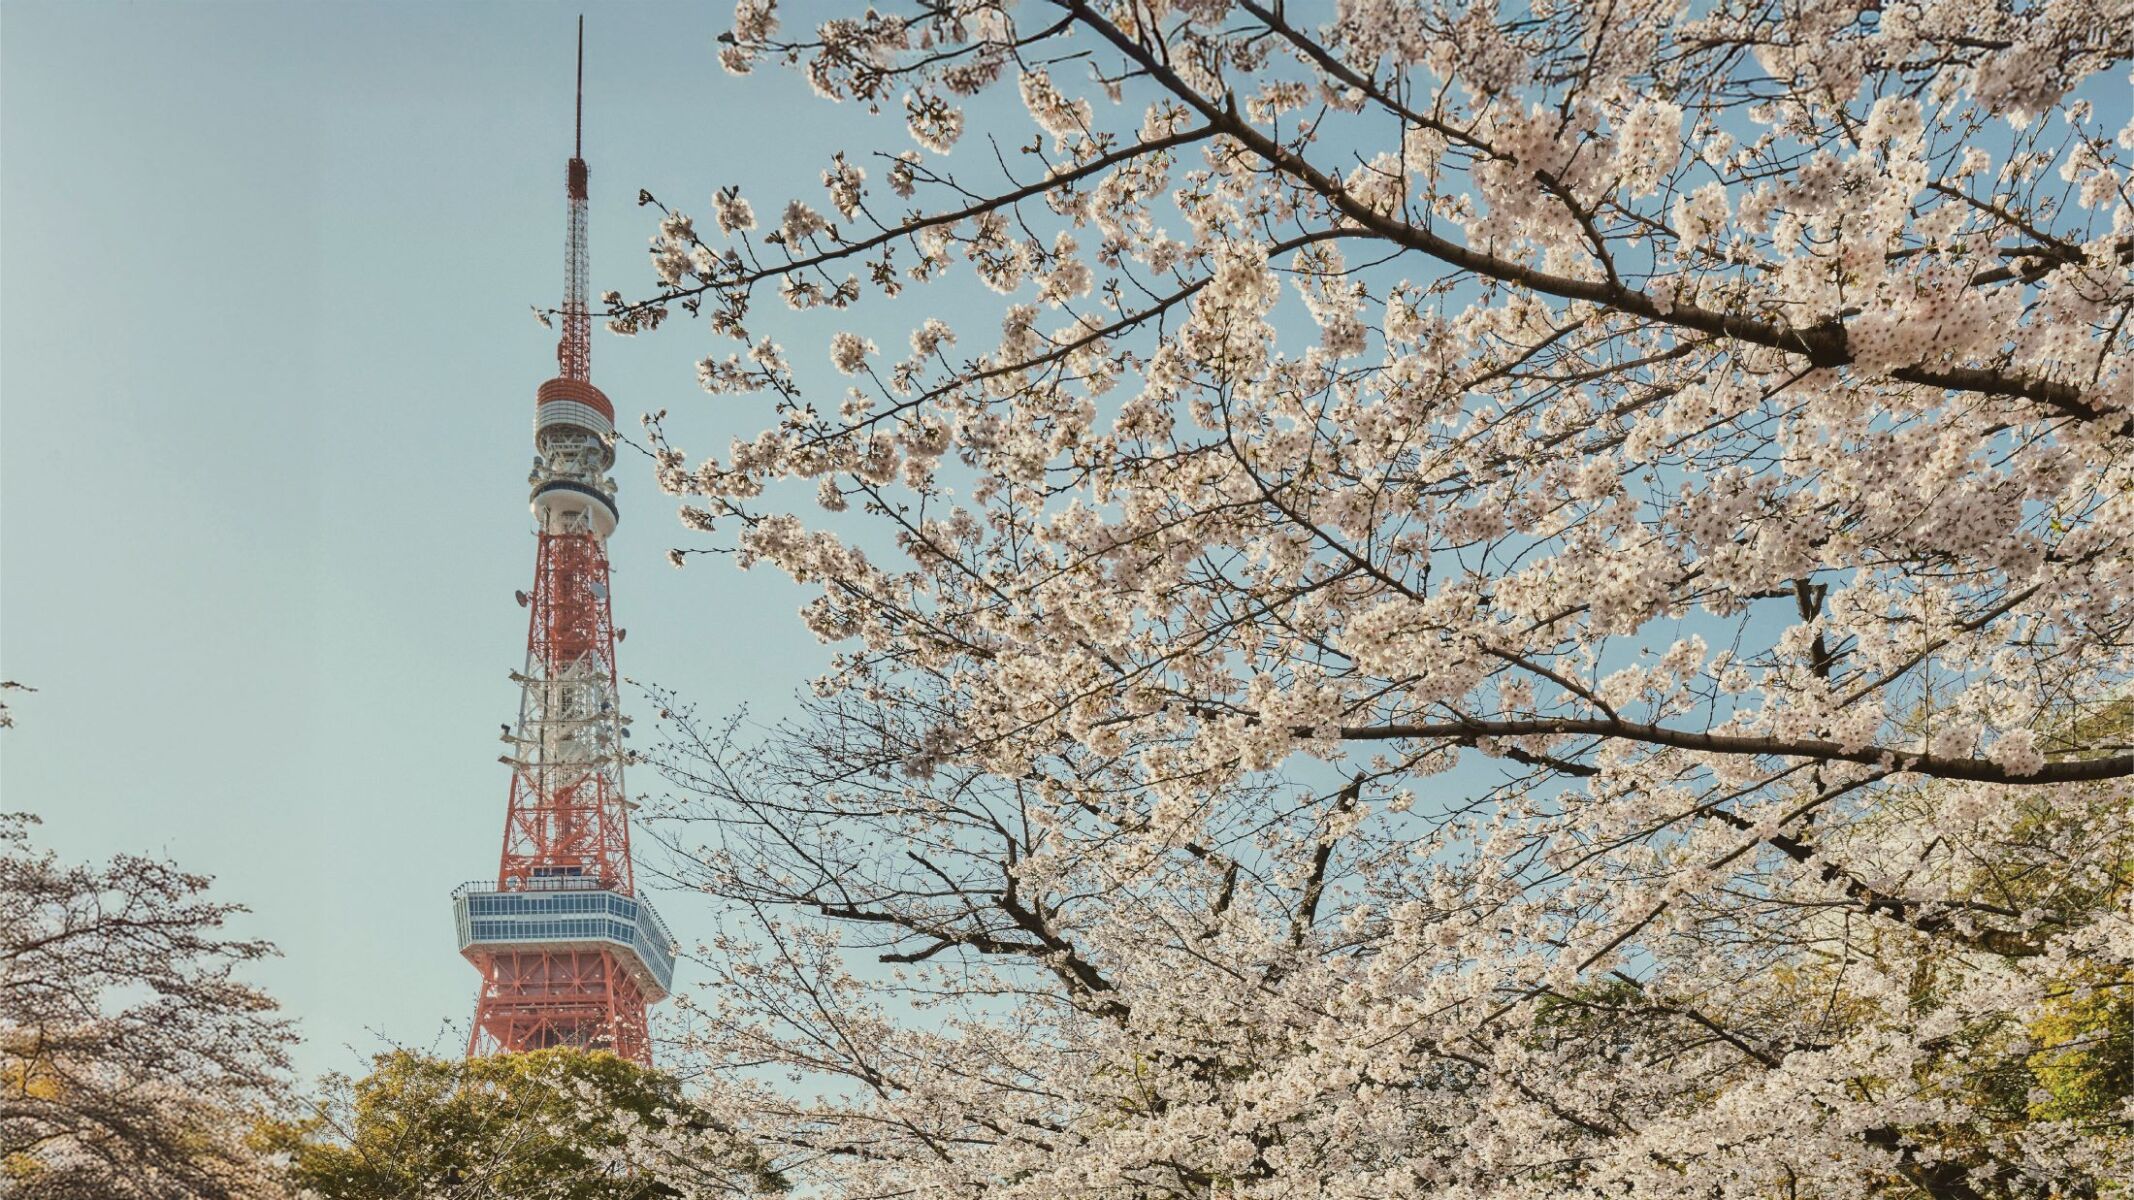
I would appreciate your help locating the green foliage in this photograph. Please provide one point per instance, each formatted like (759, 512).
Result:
(2084, 1057)
(547, 1125)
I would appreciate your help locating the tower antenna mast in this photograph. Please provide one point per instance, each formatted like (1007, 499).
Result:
(574, 353)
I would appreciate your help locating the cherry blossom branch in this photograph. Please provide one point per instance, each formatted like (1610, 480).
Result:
(1899, 761)
(1823, 345)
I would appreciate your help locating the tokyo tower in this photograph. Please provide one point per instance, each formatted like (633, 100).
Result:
(568, 953)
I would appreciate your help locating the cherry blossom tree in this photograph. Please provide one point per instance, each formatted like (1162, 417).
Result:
(1527, 600)
(133, 1060)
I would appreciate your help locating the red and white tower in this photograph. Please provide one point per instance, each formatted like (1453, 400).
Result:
(569, 955)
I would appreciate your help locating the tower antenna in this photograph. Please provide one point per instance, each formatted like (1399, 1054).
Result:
(574, 352)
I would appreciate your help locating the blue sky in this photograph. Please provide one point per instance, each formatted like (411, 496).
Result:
(266, 386)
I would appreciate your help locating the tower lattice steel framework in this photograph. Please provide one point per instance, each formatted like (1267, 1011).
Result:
(568, 953)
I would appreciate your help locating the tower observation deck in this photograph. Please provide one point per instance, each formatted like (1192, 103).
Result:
(569, 954)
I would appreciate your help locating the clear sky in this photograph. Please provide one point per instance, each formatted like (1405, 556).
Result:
(266, 389)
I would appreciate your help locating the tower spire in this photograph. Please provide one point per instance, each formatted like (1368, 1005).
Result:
(569, 954)
(574, 352)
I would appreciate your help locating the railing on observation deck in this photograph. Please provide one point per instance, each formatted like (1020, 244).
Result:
(566, 911)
